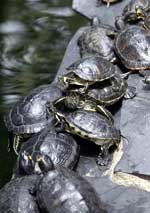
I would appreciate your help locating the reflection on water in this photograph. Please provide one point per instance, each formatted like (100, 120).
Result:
(33, 37)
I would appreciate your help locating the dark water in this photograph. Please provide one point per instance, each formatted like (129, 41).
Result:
(33, 37)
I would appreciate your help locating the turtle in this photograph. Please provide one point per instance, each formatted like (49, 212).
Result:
(29, 115)
(16, 196)
(60, 147)
(103, 95)
(92, 126)
(132, 46)
(63, 190)
(98, 39)
(87, 71)
(134, 12)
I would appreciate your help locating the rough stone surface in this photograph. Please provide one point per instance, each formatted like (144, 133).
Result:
(135, 123)
(91, 8)
(117, 199)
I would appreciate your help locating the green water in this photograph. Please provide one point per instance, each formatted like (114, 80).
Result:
(33, 37)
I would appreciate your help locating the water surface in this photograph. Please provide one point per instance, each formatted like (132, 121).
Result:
(33, 37)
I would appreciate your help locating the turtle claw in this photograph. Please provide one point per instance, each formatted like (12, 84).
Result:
(130, 93)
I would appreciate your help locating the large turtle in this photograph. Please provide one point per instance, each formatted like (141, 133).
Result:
(60, 147)
(88, 71)
(98, 39)
(92, 126)
(15, 196)
(133, 48)
(29, 115)
(64, 191)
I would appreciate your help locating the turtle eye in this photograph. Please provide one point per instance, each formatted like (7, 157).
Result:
(39, 158)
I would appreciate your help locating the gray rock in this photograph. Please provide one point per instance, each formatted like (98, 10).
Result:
(135, 123)
(72, 53)
(117, 199)
(90, 8)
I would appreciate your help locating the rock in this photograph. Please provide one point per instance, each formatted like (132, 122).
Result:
(117, 199)
(72, 53)
(91, 8)
(134, 124)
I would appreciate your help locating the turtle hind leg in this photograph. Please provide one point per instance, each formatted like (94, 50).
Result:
(104, 158)
(16, 144)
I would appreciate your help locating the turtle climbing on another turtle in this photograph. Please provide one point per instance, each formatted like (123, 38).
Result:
(87, 71)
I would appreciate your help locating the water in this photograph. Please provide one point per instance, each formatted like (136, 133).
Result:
(33, 37)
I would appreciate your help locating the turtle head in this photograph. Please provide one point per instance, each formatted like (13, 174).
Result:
(64, 81)
(139, 13)
(44, 162)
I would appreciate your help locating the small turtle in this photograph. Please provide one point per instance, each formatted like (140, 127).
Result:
(16, 196)
(64, 191)
(30, 115)
(98, 40)
(91, 126)
(60, 147)
(88, 71)
(133, 48)
(134, 12)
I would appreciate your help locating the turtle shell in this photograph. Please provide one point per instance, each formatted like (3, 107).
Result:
(15, 196)
(60, 147)
(106, 94)
(29, 115)
(96, 40)
(92, 69)
(133, 48)
(63, 190)
(93, 126)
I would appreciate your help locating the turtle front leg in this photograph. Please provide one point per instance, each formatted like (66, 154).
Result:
(130, 93)
(146, 75)
(16, 144)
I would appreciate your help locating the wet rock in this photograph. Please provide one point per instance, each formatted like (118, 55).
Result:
(118, 199)
(90, 8)
(134, 124)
